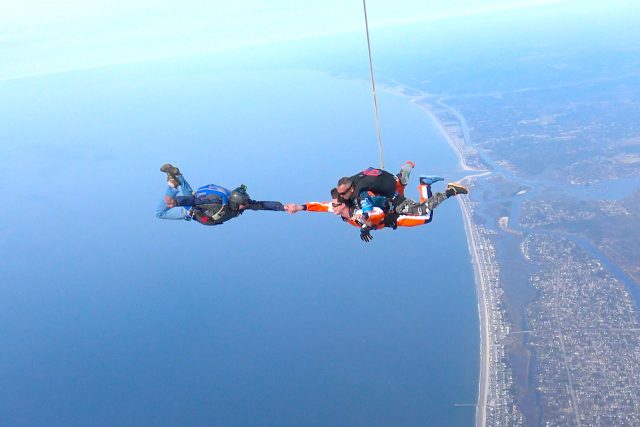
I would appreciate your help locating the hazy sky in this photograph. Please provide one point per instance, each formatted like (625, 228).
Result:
(40, 37)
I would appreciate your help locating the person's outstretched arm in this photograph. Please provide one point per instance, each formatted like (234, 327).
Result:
(265, 206)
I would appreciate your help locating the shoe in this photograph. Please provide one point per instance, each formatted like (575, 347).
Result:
(170, 170)
(454, 189)
(429, 180)
(405, 171)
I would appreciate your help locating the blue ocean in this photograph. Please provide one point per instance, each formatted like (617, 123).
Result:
(109, 316)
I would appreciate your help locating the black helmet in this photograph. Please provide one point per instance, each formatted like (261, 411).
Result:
(239, 197)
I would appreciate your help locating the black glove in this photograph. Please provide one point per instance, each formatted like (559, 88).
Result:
(365, 235)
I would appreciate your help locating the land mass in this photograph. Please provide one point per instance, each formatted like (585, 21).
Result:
(554, 230)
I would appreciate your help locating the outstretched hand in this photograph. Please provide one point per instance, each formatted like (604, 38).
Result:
(292, 208)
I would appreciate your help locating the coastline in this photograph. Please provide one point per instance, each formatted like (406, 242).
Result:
(483, 315)
(460, 147)
(462, 164)
(483, 383)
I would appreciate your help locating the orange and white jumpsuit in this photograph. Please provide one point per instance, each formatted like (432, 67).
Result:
(377, 218)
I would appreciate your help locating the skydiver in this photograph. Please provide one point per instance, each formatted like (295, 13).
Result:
(415, 213)
(374, 187)
(209, 205)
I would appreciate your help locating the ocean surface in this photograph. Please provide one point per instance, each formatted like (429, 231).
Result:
(109, 316)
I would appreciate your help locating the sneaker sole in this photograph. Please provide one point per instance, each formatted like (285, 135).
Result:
(459, 189)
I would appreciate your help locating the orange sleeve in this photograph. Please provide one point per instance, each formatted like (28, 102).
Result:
(376, 217)
(411, 221)
(318, 207)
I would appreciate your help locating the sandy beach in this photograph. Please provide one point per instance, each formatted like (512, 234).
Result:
(472, 238)
(462, 164)
(483, 384)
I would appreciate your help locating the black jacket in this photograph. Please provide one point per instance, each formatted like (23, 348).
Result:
(207, 211)
(378, 181)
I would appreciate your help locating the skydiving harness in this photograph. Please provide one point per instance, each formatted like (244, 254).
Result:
(214, 193)
(215, 216)
(367, 200)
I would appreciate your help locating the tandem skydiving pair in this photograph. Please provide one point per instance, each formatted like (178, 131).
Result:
(370, 200)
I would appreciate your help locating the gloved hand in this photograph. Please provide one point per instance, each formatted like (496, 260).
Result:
(365, 234)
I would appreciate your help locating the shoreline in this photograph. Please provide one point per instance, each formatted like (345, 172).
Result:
(462, 164)
(483, 315)
(480, 280)
(483, 383)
